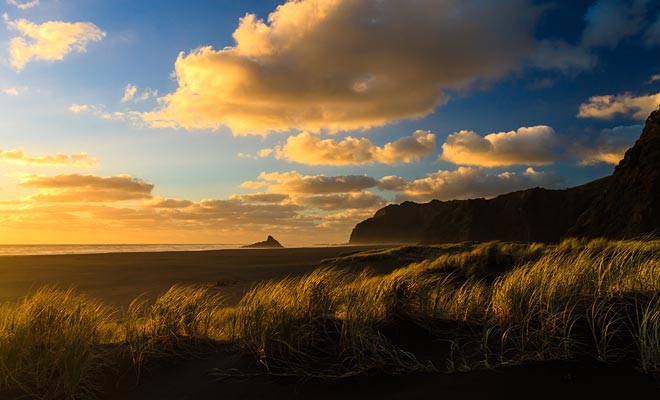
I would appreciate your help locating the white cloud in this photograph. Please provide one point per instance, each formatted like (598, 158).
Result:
(468, 182)
(308, 149)
(23, 5)
(100, 111)
(50, 41)
(606, 107)
(129, 93)
(329, 64)
(527, 145)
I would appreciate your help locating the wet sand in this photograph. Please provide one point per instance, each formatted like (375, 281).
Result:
(117, 278)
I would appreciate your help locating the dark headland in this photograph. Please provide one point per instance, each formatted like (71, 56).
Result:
(623, 205)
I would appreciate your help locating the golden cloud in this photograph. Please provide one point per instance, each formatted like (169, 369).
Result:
(527, 145)
(49, 41)
(331, 64)
(295, 183)
(608, 147)
(72, 205)
(468, 182)
(262, 197)
(342, 201)
(18, 156)
(159, 202)
(307, 149)
(606, 107)
(86, 188)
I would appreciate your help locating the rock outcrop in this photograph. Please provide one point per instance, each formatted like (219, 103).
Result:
(630, 204)
(623, 205)
(269, 243)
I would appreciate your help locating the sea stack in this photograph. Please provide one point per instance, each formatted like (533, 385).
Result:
(269, 243)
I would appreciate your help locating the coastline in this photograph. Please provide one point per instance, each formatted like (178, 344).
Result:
(118, 278)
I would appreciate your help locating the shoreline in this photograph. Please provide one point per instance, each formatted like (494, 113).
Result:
(141, 248)
(118, 278)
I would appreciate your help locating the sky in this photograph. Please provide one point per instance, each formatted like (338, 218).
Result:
(226, 121)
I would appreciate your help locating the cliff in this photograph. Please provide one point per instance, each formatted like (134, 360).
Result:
(623, 205)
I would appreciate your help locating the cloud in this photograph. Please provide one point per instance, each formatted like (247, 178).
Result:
(609, 147)
(611, 21)
(262, 197)
(86, 188)
(552, 54)
(307, 149)
(78, 108)
(159, 202)
(343, 201)
(100, 111)
(315, 191)
(345, 219)
(345, 65)
(11, 91)
(233, 211)
(527, 145)
(49, 41)
(468, 182)
(129, 93)
(392, 183)
(83, 206)
(296, 183)
(654, 78)
(23, 5)
(606, 107)
(18, 156)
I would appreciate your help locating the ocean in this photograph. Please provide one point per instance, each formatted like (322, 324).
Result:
(24, 250)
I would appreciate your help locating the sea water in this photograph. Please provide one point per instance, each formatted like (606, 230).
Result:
(24, 250)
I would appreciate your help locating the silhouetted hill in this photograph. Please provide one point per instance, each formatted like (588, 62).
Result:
(268, 243)
(630, 204)
(623, 205)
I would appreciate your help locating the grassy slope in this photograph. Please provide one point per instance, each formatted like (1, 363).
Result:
(455, 308)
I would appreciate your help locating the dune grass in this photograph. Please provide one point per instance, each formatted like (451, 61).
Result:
(49, 345)
(516, 302)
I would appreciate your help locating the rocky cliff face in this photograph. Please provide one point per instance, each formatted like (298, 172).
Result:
(630, 204)
(623, 205)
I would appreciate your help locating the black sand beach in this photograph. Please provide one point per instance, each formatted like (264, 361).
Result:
(117, 278)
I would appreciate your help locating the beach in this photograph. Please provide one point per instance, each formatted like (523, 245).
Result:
(118, 278)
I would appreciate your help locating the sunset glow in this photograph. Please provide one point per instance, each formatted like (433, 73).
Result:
(180, 122)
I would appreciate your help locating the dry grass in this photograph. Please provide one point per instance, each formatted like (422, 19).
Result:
(49, 345)
(532, 302)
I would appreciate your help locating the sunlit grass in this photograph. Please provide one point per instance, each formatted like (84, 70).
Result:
(49, 345)
(522, 303)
